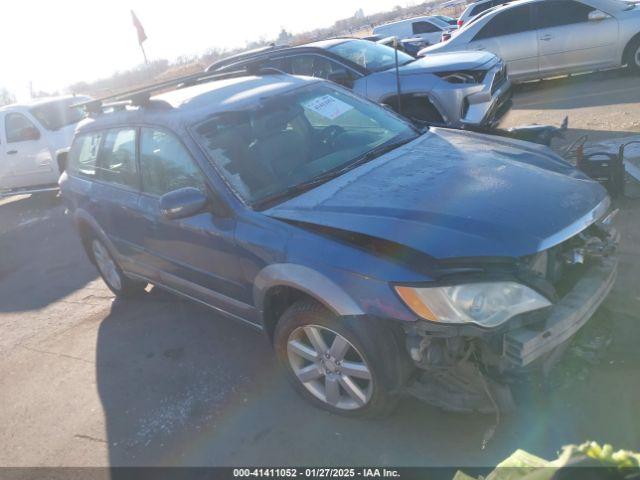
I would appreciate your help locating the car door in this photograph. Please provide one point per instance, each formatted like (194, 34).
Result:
(115, 194)
(195, 255)
(573, 36)
(427, 31)
(26, 152)
(510, 35)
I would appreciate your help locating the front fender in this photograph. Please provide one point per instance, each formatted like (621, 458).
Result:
(306, 280)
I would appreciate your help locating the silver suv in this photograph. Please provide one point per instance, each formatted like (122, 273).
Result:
(460, 89)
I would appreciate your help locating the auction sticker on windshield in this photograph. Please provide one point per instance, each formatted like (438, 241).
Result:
(328, 106)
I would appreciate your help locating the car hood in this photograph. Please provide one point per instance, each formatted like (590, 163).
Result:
(452, 194)
(450, 61)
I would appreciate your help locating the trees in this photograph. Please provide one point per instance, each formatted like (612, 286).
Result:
(6, 97)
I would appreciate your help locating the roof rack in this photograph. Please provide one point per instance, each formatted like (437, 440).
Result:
(142, 96)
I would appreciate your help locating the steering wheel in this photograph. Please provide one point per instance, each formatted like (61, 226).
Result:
(329, 134)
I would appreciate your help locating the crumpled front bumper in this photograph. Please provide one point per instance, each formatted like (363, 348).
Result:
(525, 345)
(487, 107)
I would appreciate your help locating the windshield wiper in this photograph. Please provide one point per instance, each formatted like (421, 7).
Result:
(299, 188)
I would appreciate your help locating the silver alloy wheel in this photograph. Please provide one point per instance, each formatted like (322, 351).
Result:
(337, 374)
(636, 57)
(106, 265)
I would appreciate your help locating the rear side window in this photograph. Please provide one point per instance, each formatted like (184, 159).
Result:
(166, 164)
(563, 12)
(84, 154)
(424, 27)
(508, 22)
(118, 158)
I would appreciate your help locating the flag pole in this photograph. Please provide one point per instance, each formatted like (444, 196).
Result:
(144, 54)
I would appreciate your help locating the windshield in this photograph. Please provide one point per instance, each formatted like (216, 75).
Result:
(369, 55)
(58, 114)
(292, 139)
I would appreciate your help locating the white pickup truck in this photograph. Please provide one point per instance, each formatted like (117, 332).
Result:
(31, 135)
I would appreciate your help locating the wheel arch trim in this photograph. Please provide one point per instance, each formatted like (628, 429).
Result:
(306, 280)
(627, 47)
(82, 217)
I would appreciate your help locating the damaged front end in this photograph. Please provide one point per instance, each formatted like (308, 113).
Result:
(468, 367)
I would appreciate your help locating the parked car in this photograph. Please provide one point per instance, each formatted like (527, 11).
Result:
(461, 89)
(428, 28)
(377, 258)
(476, 8)
(545, 38)
(31, 134)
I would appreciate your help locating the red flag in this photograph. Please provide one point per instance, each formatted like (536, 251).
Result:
(136, 23)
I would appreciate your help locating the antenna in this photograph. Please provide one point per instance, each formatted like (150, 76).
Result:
(398, 90)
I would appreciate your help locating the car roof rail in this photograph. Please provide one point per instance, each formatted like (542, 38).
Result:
(141, 97)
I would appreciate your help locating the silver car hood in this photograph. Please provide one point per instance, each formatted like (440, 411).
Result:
(450, 61)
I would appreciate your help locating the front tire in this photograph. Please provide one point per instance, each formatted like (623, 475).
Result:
(632, 58)
(112, 274)
(346, 365)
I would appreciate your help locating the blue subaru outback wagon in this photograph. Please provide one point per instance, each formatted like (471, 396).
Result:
(378, 259)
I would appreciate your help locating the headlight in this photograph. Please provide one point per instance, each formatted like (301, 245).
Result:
(487, 304)
(467, 76)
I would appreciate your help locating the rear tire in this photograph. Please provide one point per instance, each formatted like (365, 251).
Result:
(111, 273)
(632, 57)
(346, 365)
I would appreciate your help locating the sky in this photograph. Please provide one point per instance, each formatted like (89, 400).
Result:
(56, 43)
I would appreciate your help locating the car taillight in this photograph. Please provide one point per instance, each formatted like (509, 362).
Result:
(460, 22)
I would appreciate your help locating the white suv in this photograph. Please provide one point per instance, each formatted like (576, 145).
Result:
(31, 135)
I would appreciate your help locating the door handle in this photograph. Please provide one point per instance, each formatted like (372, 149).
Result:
(480, 47)
(546, 38)
(12, 152)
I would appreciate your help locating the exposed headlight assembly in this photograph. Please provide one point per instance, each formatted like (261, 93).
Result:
(467, 76)
(487, 304)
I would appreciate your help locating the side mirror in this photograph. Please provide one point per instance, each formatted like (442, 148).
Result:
(182, 203)
(341, 77)
(597, 16)
(30, 133)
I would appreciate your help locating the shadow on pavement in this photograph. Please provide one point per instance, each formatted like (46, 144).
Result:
(41, 259)
(181, 386)
(578, 91)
